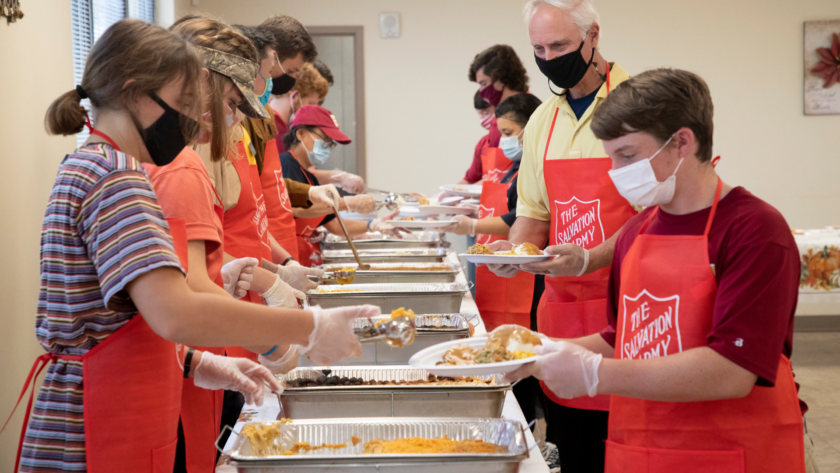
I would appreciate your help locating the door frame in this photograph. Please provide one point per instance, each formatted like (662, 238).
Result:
(359, 68)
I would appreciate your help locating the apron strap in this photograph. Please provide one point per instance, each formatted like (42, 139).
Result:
(608, 76)
(714, 207)
(40, 363)
(302, 169)
(550, 132)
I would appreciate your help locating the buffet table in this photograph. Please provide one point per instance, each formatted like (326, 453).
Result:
(511, 410)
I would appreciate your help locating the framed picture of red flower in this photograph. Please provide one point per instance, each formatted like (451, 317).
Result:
(822, 67)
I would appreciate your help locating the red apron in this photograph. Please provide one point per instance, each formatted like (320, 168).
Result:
(494, 165)
(281, 222)
(130, 415)
(308, 253)
(261, 217)
(242, 237)
(670, 308)
(500, 300)
(201, 409)
(586, 210)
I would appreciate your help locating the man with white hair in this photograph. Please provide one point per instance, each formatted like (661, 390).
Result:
(566, 198)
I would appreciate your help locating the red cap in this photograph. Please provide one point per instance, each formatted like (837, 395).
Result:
(315, 115)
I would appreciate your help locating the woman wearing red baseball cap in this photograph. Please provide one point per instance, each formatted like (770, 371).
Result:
(313, 134)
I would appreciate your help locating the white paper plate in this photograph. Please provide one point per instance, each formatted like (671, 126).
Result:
(435, 210)
(505, 259)
(468, 190)
(451, 200)
(420, 223)
(426, 359)
(471, 201)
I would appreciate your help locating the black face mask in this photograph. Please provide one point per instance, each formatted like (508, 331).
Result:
(283, 84)
(164, 139)
(567, 70)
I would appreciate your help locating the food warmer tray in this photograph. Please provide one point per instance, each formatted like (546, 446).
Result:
(340, 430)
(427, 298)
(372, 241)
(320, 402)
(380, 273)
(431, 330)
(396, 255)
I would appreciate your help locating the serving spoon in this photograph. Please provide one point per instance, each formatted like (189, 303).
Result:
(398, 332)
(361, 266)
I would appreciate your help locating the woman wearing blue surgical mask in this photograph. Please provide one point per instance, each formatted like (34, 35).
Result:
(505, 301)
(314, 133)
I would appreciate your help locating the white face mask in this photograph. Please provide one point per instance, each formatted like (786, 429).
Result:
(637, 182)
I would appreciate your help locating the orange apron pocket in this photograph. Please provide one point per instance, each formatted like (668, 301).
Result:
(628, 459)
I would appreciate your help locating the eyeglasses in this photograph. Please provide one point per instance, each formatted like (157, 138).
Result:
(330, 143)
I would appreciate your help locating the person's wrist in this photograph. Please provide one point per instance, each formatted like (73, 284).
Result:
(287, 261)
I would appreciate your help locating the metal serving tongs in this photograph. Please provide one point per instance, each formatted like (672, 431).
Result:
(342, 276)
(398, 332)
(361, 266)
(391, 200)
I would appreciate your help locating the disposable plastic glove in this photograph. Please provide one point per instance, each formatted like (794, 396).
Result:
(325, 194)
(333, 339)
(237, 276)
(284, 364)
(296, 275)
(567, 369)
(463, 226)
(384, 226)
(234, 374)
(473, 208)
(502, 270)
(350, 182)
(363, 204)
(281, 294)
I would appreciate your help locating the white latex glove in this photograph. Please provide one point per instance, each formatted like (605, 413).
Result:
(296, 275)
(472, 207)
(567, 369)
(463, 226)
(363, 204)
(237, 276)
(333, 338)
(234, 374)
(281, 294)
(502, 270)
(284, 364)
(384, 225)
(325, 194)
(350, 182)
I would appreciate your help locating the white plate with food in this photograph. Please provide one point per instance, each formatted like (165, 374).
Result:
(520, 254)
(435, 210)
(478, 356)
(419, 223)
(466, 190)
(471, 201)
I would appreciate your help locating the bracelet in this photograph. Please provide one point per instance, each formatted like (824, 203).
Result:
(368, 225)
(271, 351)
(287, 260)
(188, 362)
(585, 262)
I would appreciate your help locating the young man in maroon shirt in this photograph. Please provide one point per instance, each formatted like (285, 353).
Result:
(702, 294)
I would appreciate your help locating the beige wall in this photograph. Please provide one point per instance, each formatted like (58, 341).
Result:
(421, 127)
(36, 66)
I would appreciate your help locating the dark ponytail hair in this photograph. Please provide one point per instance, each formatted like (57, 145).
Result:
(129, 49)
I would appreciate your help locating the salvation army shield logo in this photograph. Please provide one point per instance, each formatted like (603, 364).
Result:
(495, 175)
(484, 212)
(650, 326)
(578, 222)
(282, 193)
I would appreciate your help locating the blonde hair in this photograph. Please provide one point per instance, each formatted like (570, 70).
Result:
(133, 50)
(310, 81)
(214, 34)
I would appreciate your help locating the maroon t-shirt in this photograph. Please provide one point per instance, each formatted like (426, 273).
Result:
(476, 170)
(757, 271)
(282, 129)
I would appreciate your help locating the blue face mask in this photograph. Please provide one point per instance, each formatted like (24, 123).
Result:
(320, 151)
(511, 148)
(264, 98)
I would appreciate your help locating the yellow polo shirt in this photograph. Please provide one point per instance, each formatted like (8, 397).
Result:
(572, 138)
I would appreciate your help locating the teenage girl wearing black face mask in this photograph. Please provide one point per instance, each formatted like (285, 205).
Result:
(107, 256)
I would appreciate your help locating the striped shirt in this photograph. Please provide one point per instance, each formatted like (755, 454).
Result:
(102, 229)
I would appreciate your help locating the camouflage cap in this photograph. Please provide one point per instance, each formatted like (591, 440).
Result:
(242, 72)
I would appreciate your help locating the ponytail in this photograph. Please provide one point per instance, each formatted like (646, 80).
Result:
(66, 116)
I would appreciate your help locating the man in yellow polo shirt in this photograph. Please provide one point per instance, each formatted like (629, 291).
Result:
(566, 198)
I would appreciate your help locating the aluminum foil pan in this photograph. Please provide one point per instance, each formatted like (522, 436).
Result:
(378, 373)
(397, 268)
(508, 433)
(378, 252)
(407, 288)
(425, 323)
(378, 237)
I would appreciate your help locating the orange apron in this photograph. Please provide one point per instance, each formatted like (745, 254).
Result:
(494, 165)
(130, 415)
(308, 253)
(670, 309)
(586, 210)
(281, 222)
(201, 409)
(500, 300)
